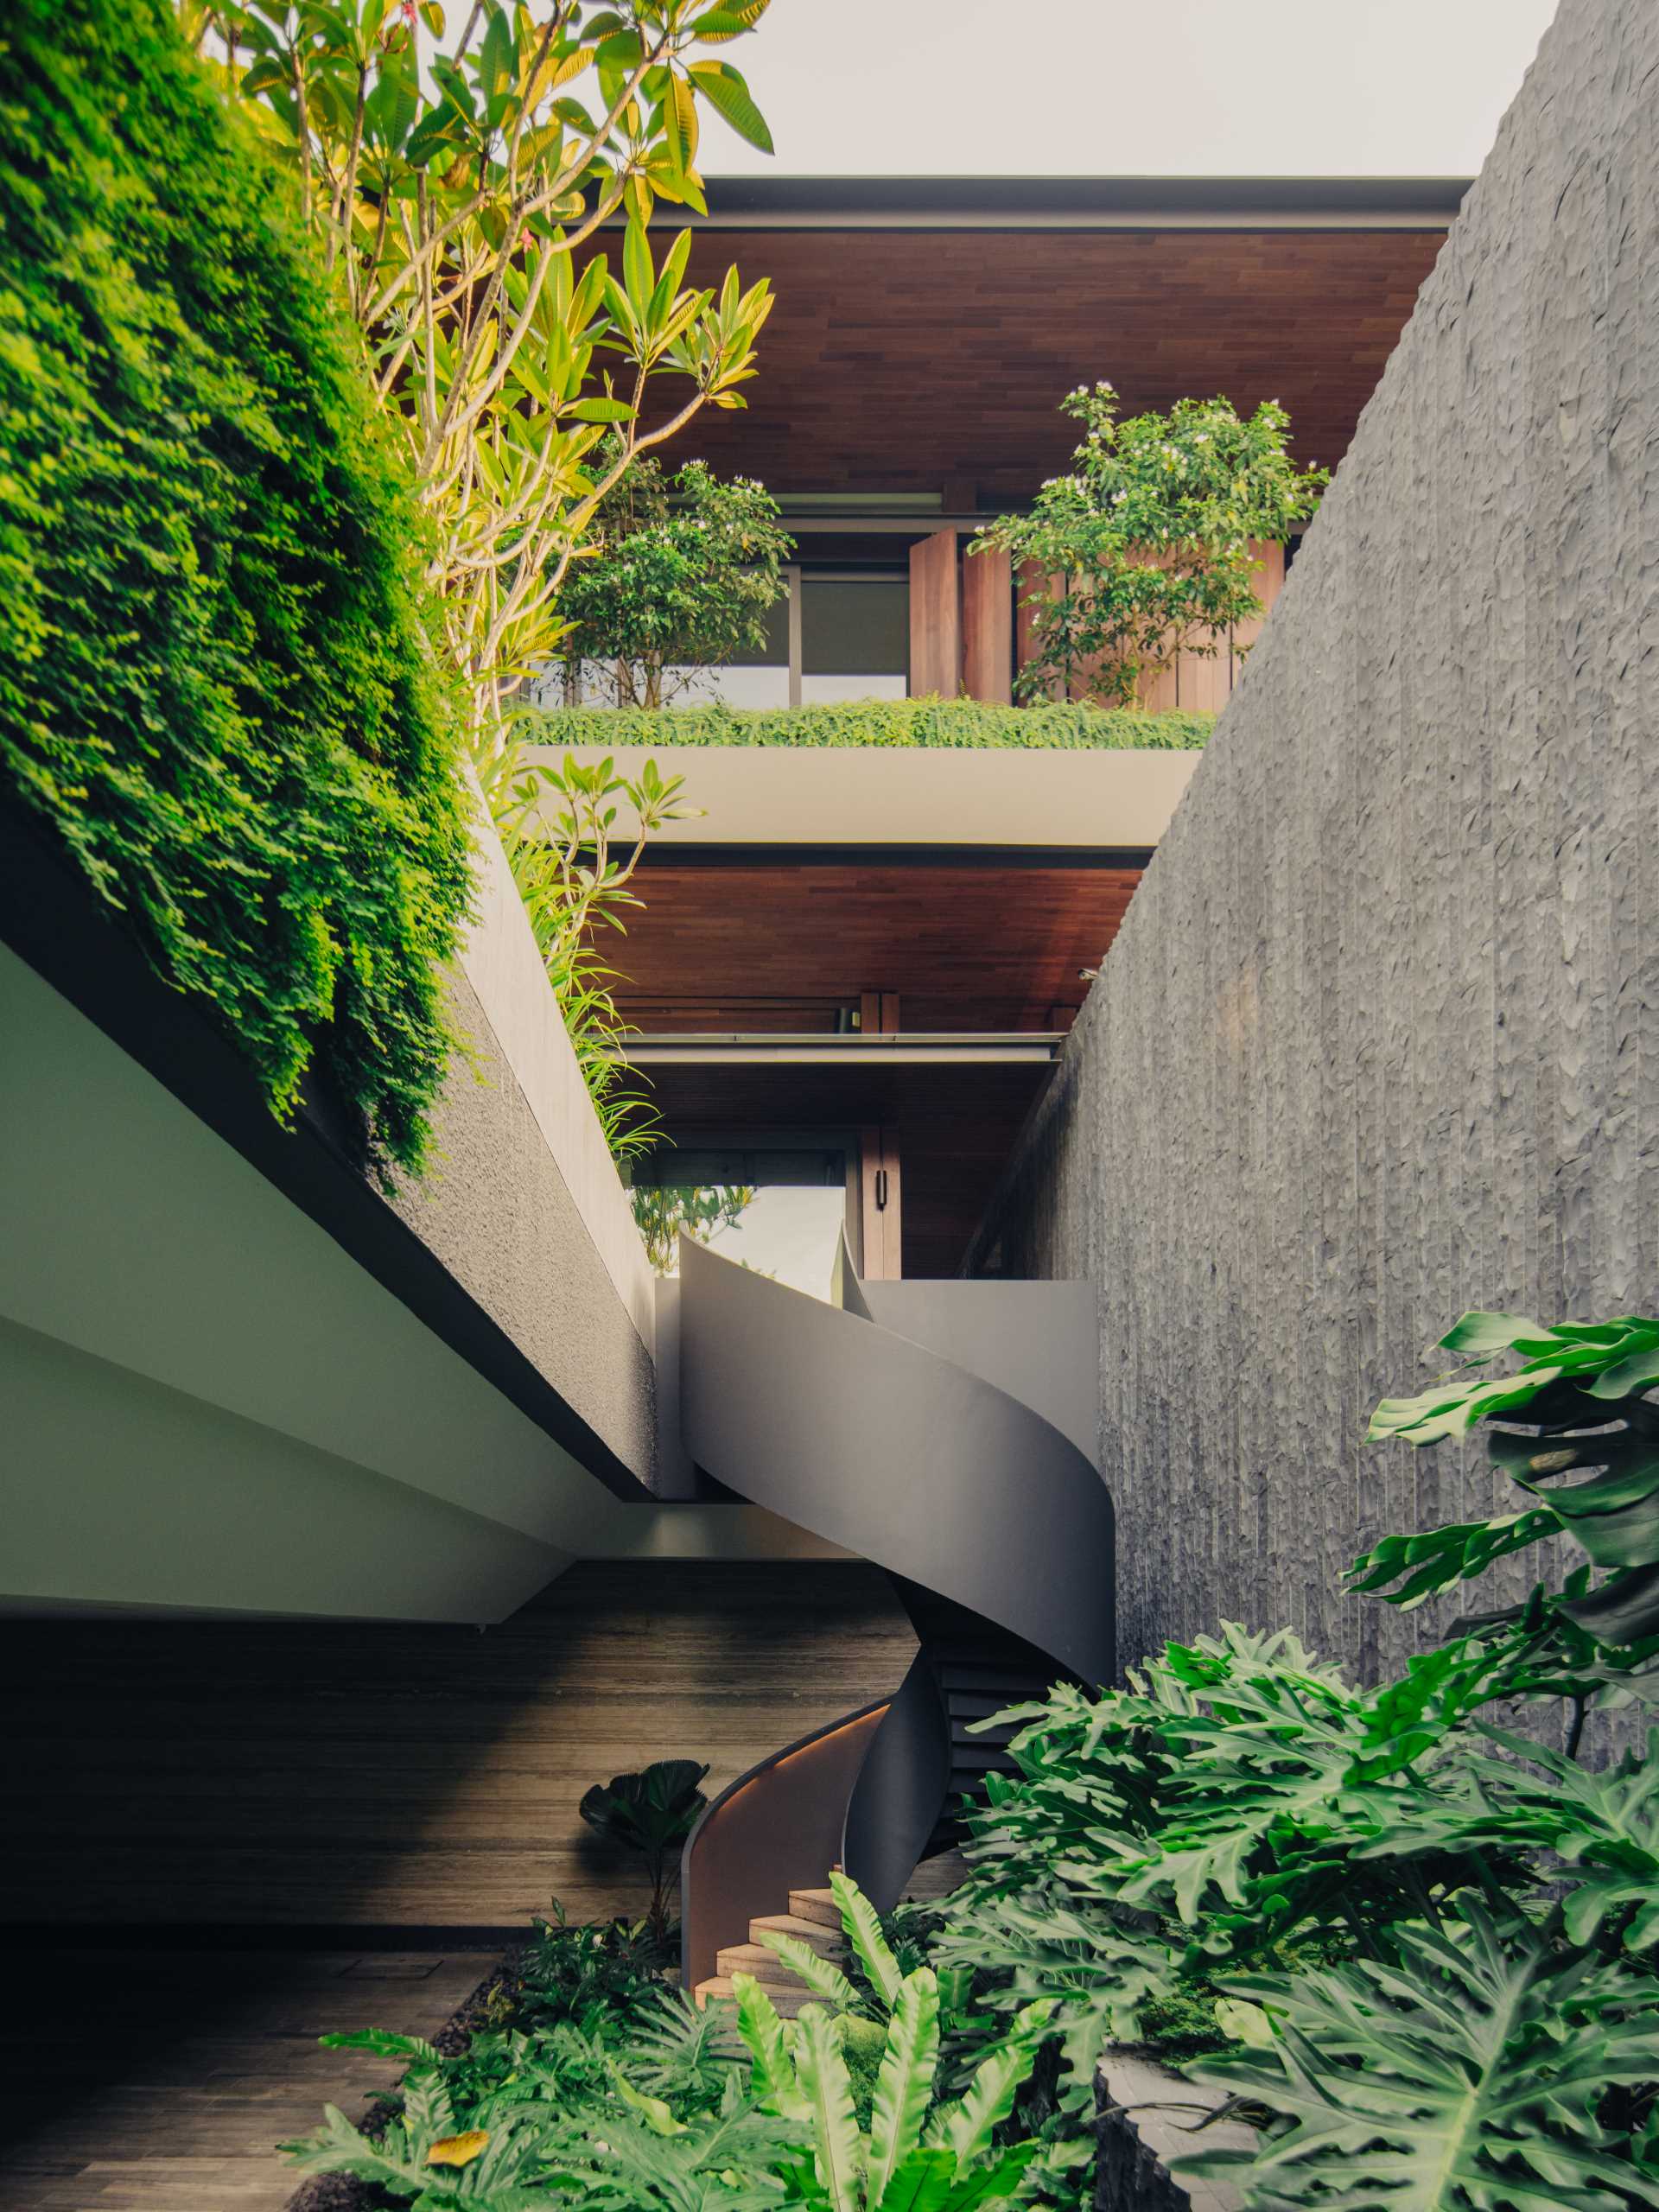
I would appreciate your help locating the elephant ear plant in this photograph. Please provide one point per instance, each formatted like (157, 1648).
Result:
(650, 1814)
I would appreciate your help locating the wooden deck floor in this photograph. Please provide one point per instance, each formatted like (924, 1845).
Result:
(162, 2082)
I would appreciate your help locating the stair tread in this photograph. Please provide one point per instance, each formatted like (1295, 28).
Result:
(786, 2001)
(822, 1938)
(817, 1905)
(762, 1963)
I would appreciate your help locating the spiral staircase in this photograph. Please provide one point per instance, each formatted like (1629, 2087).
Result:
(939, 1430)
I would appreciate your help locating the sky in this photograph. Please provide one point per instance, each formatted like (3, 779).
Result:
(1129, 88)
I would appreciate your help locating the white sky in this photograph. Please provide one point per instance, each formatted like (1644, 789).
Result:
(1129, 88)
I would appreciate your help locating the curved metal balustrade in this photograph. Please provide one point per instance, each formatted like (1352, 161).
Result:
(995, 1526)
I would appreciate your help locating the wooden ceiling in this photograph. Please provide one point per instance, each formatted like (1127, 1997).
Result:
(773, 944)
(763, 945)
(923, 360)
(954, 1127)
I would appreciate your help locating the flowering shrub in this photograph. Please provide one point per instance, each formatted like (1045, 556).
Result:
(1143, 551)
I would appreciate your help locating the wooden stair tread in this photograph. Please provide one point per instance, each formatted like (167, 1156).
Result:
(826, 1941)
(759, 1960)
(814, 1904)
(786, 2001)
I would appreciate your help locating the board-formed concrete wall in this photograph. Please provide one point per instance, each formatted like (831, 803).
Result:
(1380, 1038)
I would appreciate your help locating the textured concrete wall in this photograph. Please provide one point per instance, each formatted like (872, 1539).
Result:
(499, 1209)
(1380, 1039)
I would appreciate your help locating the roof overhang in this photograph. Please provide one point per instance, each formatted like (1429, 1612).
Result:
(1080, 203)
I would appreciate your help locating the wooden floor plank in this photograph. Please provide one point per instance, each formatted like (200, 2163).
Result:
(159, 2082)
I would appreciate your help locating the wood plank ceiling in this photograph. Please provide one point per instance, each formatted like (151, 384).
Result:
(781, 943)
(921, 361)
(781, 946)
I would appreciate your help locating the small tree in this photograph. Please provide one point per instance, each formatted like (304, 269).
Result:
(677, 576)
(457, 179)
(1142, 552)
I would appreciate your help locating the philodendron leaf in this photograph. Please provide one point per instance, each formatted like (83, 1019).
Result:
(904, 2086)
(1244, 2022)
(1421, 2080)
(1624, 1610)
(863, 1925)
(653, 2111)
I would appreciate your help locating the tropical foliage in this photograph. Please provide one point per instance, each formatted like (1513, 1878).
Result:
(1415, 1944)
(677, 577)
(860, 723)
(557, 822)
(650, 1815)
(666, 1212)
(593, 2079)
(456, 179)
(457, 187)
(921, 2153)
(1141, 551)
(1425, 1941)
(217, 692)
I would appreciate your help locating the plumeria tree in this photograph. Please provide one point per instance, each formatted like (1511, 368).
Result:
(1142, 551)
(458, 176)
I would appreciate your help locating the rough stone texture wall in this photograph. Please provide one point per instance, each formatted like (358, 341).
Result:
(1380, 1039)
(496, 1209)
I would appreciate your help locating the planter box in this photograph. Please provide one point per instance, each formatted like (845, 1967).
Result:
(1136, 2146)
(947, 797)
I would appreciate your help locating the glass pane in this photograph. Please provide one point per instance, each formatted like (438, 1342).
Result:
(740, 685)
(824, 691)
(854, 628)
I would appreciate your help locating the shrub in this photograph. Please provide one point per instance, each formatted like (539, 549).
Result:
(971, 724)
(1141, 551)
(679, 575)
(215, 689)
(1428, 1941)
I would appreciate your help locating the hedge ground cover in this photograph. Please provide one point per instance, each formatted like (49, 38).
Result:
(964, 724)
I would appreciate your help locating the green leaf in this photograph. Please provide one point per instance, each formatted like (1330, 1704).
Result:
(859, 1917)
(762, 2030)
(822, 1976)
(1423, 2080)
(638, 275)
(656, 2114)
(726, 94)
(827, 2087)
(969, 2126)
(904, 2085)
(602, 410)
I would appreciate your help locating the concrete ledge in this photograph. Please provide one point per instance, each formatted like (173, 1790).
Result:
(1148, 2119)
(502, 964)
(768, 796)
